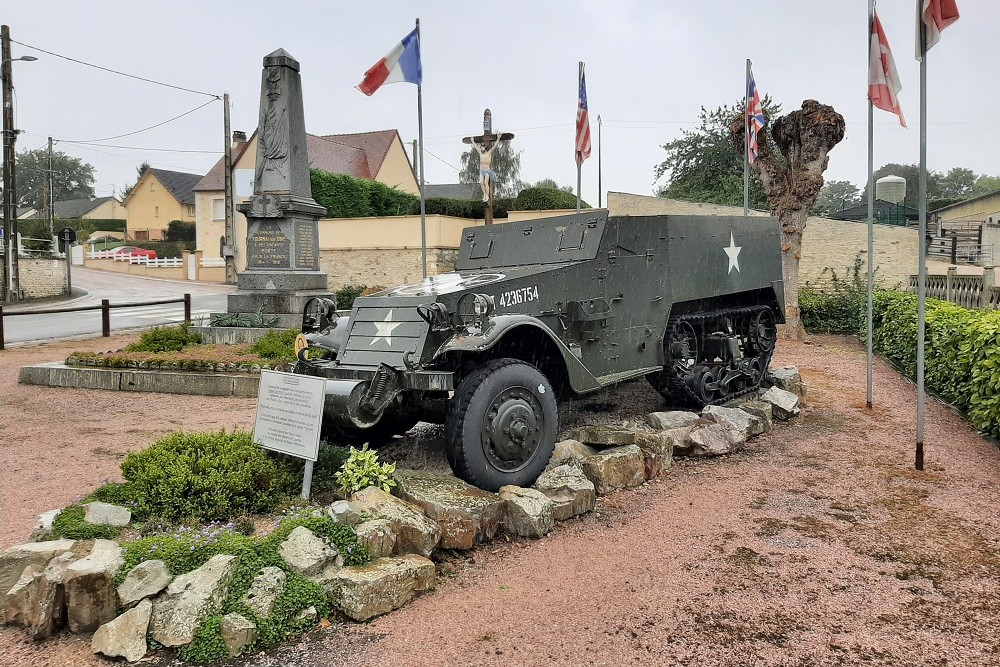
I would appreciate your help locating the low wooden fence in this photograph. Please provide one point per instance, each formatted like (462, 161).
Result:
(964, 290)
(105, 309)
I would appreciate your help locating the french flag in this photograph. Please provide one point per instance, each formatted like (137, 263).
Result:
(400, 65)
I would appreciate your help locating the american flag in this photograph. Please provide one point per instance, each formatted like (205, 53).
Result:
(582, 123)
(755, 120)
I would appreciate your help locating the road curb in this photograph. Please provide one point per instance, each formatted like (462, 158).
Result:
(58, 374)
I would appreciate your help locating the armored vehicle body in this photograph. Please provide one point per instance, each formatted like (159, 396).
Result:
(544, 310)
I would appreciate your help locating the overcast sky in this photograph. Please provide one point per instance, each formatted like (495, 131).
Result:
(651, 64)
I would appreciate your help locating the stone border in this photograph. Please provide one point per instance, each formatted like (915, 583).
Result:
(234, 335)
(58, 374)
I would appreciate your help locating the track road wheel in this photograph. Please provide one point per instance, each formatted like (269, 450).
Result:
(501, 425)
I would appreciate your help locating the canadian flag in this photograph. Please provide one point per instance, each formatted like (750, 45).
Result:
(883, 80)
(936, 15)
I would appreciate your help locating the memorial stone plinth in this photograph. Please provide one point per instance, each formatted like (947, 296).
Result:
(282, 270)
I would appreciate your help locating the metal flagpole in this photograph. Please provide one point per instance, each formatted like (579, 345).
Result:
(746, 142)
(420, 138)
(922, 254)
(579, 162)
(600, 190)
(871, 209)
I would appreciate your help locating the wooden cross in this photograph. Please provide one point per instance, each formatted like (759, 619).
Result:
(485, 144)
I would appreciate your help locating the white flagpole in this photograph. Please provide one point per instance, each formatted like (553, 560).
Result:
(746, 142)
(922, 254)
(871, 210)
(579, 162)
(420, 135)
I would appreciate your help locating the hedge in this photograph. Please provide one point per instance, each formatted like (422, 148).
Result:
(961, 352)
(545, 199)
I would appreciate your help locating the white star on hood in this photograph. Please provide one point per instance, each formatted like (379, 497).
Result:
(734, 254)
(384, 329)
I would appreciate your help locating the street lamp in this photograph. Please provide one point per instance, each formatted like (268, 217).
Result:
(11, 284)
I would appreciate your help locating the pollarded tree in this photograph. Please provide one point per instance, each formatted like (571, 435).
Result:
(793, 157)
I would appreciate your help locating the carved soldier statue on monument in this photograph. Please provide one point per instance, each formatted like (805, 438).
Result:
(282, 270)
(485, 144)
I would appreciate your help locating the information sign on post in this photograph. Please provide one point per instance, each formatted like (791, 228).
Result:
(289, 415)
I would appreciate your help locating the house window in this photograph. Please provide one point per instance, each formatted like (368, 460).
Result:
(188, 209)
(156, 211)
(218, 209)
(151, 188)
(142, 235)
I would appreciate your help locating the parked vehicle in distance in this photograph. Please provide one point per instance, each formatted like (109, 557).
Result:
(541, 311)
(134, 251)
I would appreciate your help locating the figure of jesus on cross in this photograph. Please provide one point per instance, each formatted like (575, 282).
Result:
(485, 145)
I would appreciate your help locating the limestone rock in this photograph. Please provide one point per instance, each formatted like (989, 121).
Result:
(569, 451)
(125, 636)
(617, 468)
(91, 599)
(763, 412)
(342, 511)
(307, 554)
(265, 589)
(144, 580)
(709, 440)
(680, 437)
(366, 591)
(784, 404)
(106, 514)
(569, 490)
(189, 599)
(14, 560)
(602, 435)
(738, 423)
(377, 537)
(657, 451)
(415, 532)
(789, 379)
(664, 421)
(466, 515)
(23, 597)
(527, 512)
(237, 632)
(43, 527)
(308, 614)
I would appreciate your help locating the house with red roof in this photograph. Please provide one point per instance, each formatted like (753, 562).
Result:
(378, 156)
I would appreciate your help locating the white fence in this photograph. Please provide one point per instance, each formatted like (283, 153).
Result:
(135, 259)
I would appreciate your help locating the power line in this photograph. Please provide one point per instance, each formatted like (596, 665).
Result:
(129, 134)
(134, 148)
(113, 71)
(446, 163)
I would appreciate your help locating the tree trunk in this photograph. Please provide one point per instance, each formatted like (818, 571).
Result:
(792, 225)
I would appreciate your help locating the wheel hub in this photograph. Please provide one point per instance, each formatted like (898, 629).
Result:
(511, 429)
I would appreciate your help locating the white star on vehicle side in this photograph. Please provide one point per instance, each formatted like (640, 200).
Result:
(384, 330)
(734, 254)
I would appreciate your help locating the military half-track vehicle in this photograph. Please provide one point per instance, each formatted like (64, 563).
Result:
(545, 310)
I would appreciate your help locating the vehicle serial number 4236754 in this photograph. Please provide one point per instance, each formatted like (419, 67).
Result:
(519, 295)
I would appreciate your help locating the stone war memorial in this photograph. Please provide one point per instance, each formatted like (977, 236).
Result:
(282, 271)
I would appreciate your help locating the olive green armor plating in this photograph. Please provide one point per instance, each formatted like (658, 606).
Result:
(548, 309)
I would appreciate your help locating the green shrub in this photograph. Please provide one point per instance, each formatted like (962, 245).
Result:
(840, 307)
(362, 470)
(164, 339)
(205, 476)
(277, 345)
(348, 197)
(544, 199)
(69, 523)
(166, 249)
(180, 231)
(347, 294)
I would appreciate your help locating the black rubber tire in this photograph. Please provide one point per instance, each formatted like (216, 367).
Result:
(466, 440)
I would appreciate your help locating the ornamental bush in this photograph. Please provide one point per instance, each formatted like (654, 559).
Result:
(164, 339)
(279, 344)
(205, 476)
(531, 199)
(362, 469)
(840, 306)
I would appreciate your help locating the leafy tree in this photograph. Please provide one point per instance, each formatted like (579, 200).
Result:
(836, 196)
(985, 185)
(911, 172)
(548, 183)
(178, 230)
(958, 182)
(506, 163)
(72, 178)
(703, 165)
(139, 171)
(793, 156)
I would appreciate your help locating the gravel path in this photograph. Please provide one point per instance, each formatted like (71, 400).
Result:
(817, 545)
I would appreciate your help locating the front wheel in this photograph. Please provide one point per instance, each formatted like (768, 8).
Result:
(501, 425)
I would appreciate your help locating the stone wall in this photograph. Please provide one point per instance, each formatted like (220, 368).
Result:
(383, 267)
(40, 277)
(827, 245)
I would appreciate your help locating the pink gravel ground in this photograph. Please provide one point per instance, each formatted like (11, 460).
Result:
(817, 545)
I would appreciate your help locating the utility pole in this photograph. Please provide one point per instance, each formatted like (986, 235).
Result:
(11, 283)
(230, 223)
(599, 189)
(50, 203)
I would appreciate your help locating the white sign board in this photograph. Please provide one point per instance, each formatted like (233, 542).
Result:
(289, 413)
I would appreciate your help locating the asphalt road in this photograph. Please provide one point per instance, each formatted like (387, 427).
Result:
(117, 288)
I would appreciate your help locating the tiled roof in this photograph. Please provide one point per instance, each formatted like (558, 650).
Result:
(76, 208)
(180, 184)
(360, 155)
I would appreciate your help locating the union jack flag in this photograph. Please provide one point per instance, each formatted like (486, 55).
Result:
(582, 123)
(755, 121)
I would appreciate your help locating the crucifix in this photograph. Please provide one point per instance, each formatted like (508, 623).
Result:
(485, 144)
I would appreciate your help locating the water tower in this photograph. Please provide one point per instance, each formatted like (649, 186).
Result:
(891, 189)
